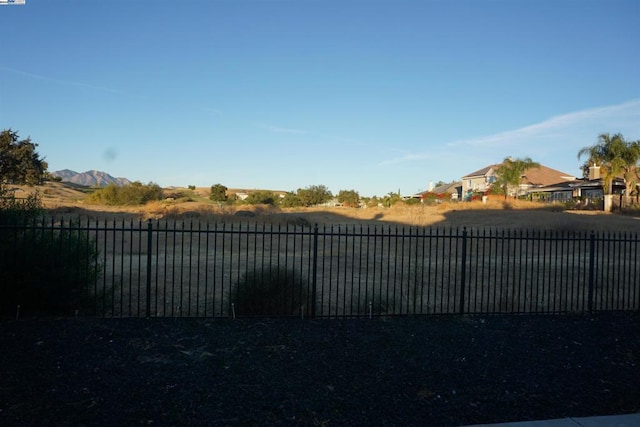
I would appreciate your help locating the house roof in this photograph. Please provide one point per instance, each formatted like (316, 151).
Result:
(447, 188)
(545, 176)
(579, 183)
(539, 176)
(482, 172)
(451, 188)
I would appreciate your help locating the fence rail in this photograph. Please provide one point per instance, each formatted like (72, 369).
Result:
(186, 269)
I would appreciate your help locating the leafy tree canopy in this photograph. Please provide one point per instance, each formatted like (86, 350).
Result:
(391, 199)
(218, 193)
(511, 171)
(314, 195)
(371, 201)
(290, 200)
(262, 197)
(349, 198)
(616, 157)
(20, 163)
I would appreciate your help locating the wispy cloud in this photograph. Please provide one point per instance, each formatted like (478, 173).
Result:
(279, 129)
(61, 82)
(607, 117)
(407, 157)
(554, 136)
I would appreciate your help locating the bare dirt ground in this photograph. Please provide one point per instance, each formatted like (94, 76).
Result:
(68, 201)
(410, 371)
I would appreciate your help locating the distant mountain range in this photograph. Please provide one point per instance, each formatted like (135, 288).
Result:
(90, 178)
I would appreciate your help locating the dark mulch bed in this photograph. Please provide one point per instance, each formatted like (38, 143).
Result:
(443, 371)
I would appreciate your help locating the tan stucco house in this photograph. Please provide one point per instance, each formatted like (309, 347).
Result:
(483, 179)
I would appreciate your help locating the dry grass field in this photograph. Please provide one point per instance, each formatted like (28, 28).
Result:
(193, 271)
(67, 200)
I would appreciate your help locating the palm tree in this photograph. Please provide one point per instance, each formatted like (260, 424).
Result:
(511, 171)
(616, 157)
(631, 158)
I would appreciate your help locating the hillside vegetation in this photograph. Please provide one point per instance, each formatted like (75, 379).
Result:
(64, 199)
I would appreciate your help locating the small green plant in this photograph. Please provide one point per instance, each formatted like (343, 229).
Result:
(273, 291)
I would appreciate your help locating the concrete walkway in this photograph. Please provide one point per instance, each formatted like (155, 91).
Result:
(631, 420)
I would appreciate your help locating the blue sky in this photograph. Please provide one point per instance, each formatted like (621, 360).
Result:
(375, 96)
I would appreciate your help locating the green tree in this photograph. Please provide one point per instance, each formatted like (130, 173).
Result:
(391, 199)
(510, 173)
(349, 198)
(314, 195)
(218, 193)
(262, 197)
(20, 163)
(290, 200)
(371, 202)
(632, 172)
(616, 157)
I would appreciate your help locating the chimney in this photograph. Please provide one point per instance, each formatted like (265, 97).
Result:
(594, 172)
(430, 186)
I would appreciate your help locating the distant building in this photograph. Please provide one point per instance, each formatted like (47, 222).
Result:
(585, 189)
(483, 179)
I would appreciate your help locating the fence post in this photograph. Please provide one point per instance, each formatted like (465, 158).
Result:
(463, 273)
(149, 249)
(314, 273)
(592, 259)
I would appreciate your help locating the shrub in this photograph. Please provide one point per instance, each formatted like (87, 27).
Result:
(132, 194)
(45, 270)
(585, 204)
(433, 198)
(274, 291)
(262, 197)
(411, 202)
(18, 212)
(291, 200)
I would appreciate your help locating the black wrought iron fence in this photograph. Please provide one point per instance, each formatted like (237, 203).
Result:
(176, 269)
